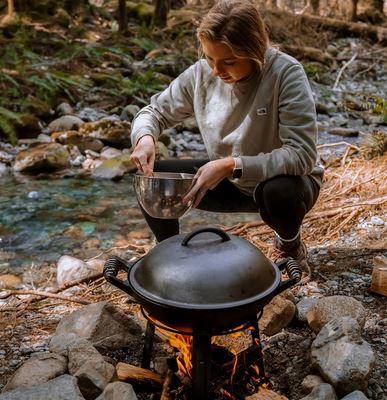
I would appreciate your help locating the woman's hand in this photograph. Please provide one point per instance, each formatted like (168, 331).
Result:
(207, 177)
(144, 155)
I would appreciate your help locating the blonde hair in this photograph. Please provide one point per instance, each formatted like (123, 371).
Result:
(238, 24)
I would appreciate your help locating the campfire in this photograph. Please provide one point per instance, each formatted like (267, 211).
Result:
(199, 371)
(202, 285)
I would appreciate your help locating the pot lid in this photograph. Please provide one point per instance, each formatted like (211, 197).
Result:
(205, 269)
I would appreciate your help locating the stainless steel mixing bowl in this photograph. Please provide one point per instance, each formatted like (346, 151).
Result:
(161, 195)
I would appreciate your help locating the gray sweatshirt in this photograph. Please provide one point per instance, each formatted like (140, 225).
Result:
(268, 120)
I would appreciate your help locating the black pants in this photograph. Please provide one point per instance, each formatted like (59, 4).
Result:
(282, 201)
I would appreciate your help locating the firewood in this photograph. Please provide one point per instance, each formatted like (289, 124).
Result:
(379, 276)
(128, 372)
(166, 385)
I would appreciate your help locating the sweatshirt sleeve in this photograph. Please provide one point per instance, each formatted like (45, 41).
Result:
(297, 130)
(166, 109)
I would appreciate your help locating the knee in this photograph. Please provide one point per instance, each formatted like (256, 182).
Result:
(280, 196)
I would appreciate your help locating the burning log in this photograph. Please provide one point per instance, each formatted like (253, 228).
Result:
(245, 359)
(128, 372)
(166, 385)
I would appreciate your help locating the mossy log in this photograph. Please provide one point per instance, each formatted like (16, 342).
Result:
(344, 28)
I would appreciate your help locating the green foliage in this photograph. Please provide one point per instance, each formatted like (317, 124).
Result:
(144, 43)
(51, 85)
(141, 83)
(312, 70)
(8, 120)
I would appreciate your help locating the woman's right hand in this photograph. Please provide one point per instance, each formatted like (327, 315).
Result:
(144, 154)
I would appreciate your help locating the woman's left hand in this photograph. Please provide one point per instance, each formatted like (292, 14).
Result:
(207, 177)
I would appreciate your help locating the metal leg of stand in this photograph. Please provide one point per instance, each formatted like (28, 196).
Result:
(201, 367)
(257, 342)
(148, 345)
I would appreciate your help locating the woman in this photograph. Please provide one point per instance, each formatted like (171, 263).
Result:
(256, 114)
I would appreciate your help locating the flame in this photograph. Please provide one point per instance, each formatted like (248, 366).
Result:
(227, 395)
(182, 343)
(234, 365)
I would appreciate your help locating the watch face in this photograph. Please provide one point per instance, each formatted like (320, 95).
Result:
(237, 173)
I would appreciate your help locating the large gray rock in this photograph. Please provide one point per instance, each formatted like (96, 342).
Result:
(341, 355)
(93, 376)
(62, 388)
(104, 325)
(118, 391)
(356, 395)
(323, 391)
(80, 351)
(310, 382)
(331, 307)
(40, 368)
(65, 123)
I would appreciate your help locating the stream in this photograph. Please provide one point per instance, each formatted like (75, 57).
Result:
(43, 219)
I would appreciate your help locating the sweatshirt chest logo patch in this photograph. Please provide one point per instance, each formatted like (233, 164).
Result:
(262, 111)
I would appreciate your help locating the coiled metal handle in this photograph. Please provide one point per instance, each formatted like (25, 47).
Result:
(293, 269)
(111, 268)
(113, 265)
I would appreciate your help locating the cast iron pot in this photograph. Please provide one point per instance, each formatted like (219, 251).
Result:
(206, 280)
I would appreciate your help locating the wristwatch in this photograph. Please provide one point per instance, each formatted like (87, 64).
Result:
(237, 171)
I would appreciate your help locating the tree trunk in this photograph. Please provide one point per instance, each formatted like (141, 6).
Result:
(11, 8)
(354, 10)
(161, 13)
(122, 16)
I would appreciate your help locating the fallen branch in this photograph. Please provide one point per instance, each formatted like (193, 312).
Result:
(346, 64)
(45, 294)
(320, 146)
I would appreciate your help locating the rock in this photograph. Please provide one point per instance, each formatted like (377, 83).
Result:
(343, 358)
(276, 315)
(110, 132)
(42, 158)
(105, 326)
(3, 169)
(79, 351)
(28, 126)
(93, 376)
(65, 123)
(9, 281)
(112, 168)
(40, 368)
(356, 395)
(129, 112)
(304, 306)
(331, 307)
(64, 109)
(74, 138)
(323, 391)
(110, 152)
(162, 152)
(118, 391)
(266, 394)
(310, 382)
(71, 268)
(63, 387)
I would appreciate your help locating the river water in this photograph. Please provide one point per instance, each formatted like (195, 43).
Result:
(42, 219)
